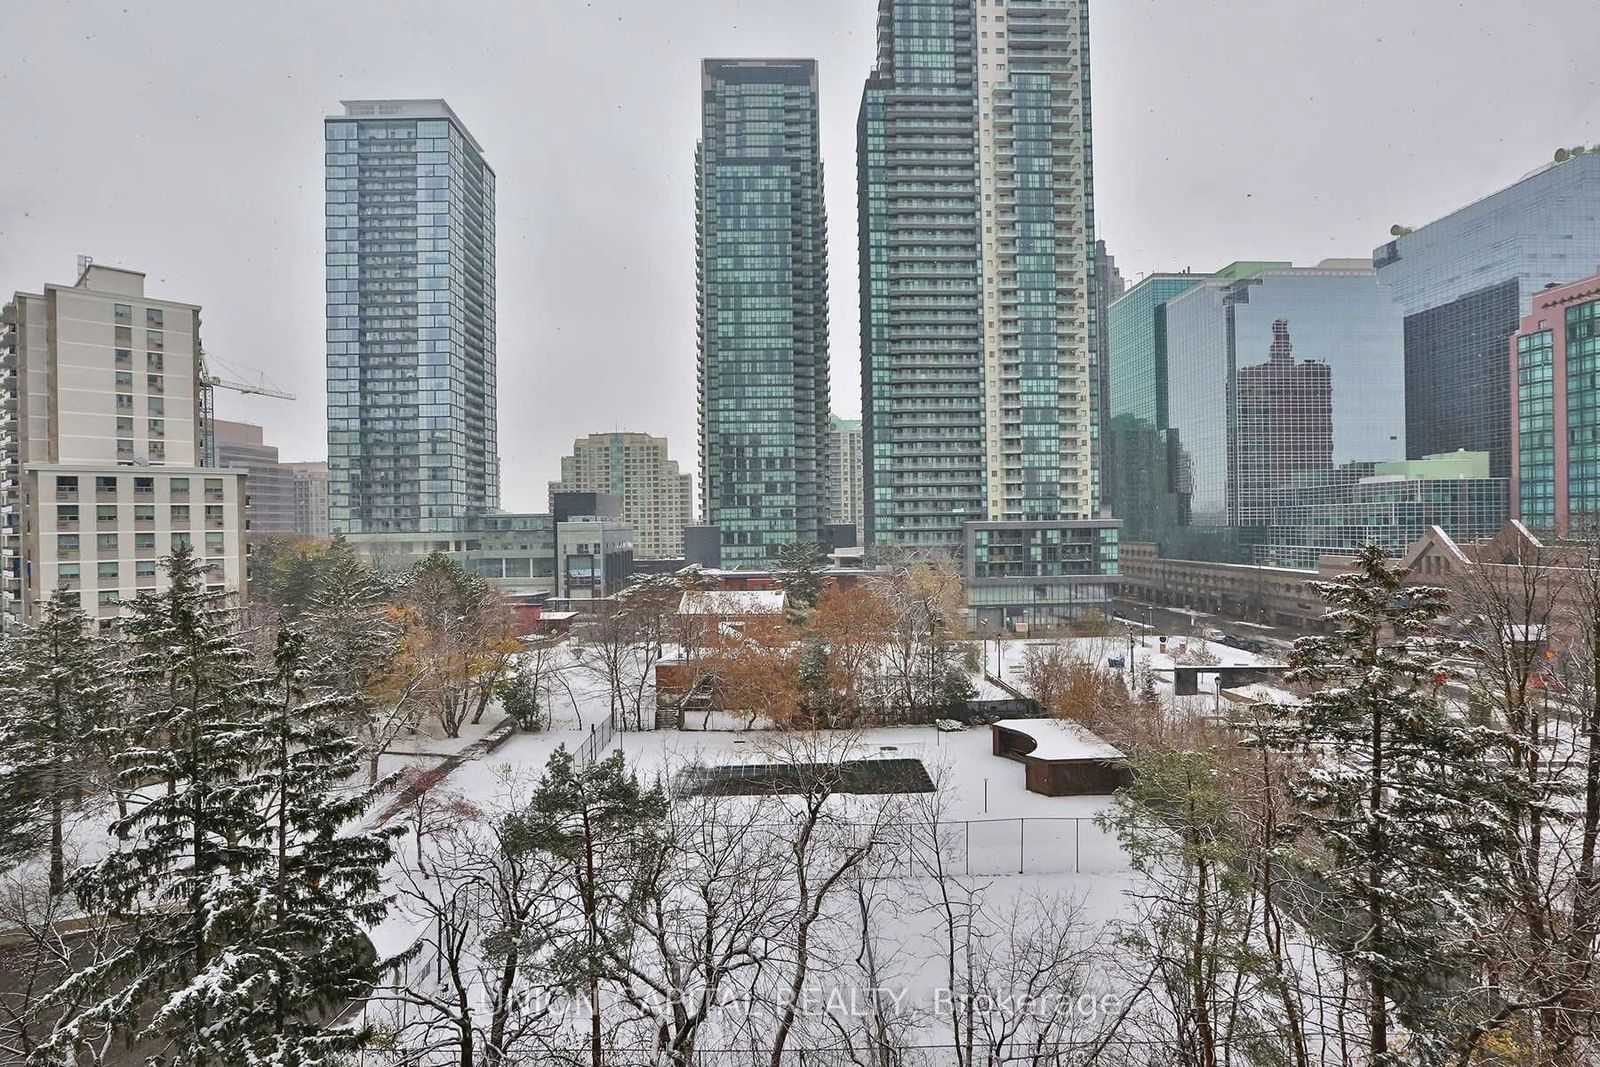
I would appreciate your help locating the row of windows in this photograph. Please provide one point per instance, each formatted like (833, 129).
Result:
(109, 483)
(69, 544)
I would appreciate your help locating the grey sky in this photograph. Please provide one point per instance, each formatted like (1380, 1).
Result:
(185, 139)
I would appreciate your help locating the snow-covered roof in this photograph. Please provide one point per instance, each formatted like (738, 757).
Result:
(1058, 739)
(733, 602)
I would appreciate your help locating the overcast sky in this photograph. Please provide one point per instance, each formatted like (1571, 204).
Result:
(185, 139)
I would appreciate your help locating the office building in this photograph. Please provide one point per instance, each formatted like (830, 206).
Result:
(1555, 402)
(1284, 424)
(762, 269)
(411, 319)
(1391, 504)
(657, 499)
(310, 498)
(1106, 286)
(977, 259)
(100, 448)
(844, 474)
(270, 507)
(1463, 283)
(1140, 477)
(1226, 339)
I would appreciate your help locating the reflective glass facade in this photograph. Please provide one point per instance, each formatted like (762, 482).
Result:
(1555, 398)
(763, 307)
(1106, 285)
(1341, 511)
(1138, 480)
(1464, 280)
(1457, 377)
(411, 319)
(1254, 358)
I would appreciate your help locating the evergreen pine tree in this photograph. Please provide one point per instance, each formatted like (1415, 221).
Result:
(57, 690)
(801, 567)
(244, 902)
(23, 812)
(193, 734)
(294, 917)
(352, 637)
(1403, 796)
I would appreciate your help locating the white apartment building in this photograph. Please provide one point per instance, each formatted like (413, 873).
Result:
(844, 473)
(100, 447)
(657, 499)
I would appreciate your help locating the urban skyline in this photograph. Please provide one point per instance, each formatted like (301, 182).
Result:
(1306, 210)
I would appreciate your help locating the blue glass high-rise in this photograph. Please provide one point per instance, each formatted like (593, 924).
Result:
(1464, 281)
(762, 263)
(411, 319)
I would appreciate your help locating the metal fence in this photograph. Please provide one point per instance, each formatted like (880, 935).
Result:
(985, 847)
(598, 741)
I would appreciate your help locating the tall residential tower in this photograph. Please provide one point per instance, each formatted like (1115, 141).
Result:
(411, 319)
(762, 269)
(977, 259)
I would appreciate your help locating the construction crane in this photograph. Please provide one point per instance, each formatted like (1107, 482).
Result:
(209, 383)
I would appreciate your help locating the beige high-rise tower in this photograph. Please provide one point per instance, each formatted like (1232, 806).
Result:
(657, 499)
(102, 448)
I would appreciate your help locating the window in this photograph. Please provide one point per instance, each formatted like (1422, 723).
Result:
(105, 513)
(214, 544)
(154, 361)
(155, 383)
(66, 543)
(107, 570)
(157, 427)
(179, 487)
(213, 485)
(152, 340)
(144, 542)
(124, 357)
(124, 402)
(144, 486)
(156, 406)
(152, 317)
(66, 483)
(125, 380)
(144, 513)
(213, 514)
(180, 514)
(66, 513)
(68, 572)
(158, 450)
(105, 483)
(122, 313)
(181, 540)
(124, 448)
(124, 425)
(144, 568)
(108, 597)
(124, 336)
(106, 542)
